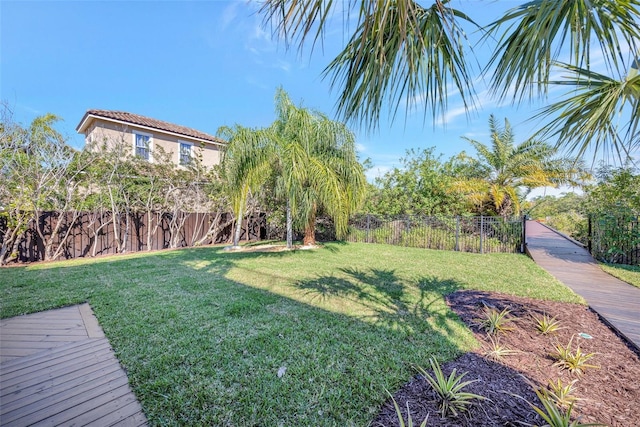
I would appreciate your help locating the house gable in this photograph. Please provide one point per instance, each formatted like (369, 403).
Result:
(104, 125)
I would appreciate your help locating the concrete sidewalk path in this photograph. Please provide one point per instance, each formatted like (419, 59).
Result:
(617, 302)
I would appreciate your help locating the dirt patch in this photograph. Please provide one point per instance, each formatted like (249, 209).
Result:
(269, 248)
(609, 394)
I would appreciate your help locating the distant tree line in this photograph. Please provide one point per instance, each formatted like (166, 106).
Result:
(495, 181)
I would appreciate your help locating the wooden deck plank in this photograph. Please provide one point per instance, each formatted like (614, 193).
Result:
(60, 325)
(617, 302)
(48, 365)
(111, 412)
(33, 338)
(90, 322)
(28, 411)
(41, 357)
(39, 321)
(57, 368)
(46, 330)
(36, 376)
(85, 411)
(58, 313)
(137, 419)
(34, 392)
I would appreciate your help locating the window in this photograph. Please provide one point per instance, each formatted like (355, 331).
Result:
(185, 153)
(142, 145)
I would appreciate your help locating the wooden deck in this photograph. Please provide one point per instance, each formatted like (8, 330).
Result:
(57, 368)
(617, 302)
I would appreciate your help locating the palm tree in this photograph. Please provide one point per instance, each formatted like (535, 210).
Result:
(504, 170)
(314, 161)
(245, 165)
(401, 51)
(318, 166)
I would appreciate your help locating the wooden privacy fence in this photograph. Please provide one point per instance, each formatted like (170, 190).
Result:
(615, 238)
(480, 234)
(94, 233)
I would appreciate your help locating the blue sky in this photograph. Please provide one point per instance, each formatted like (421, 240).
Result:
(203, 64)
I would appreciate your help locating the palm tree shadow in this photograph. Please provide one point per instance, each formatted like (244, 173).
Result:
(388, 300)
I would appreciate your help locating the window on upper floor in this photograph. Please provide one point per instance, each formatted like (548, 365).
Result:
(185, 153)
(142, 145)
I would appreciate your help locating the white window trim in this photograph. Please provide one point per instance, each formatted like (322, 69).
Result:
(190, 144)
(150, 136)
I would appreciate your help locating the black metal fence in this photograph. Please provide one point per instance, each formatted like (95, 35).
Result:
(480, 234)
(615, 238)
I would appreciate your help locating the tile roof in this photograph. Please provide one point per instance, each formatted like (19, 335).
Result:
(137, 119)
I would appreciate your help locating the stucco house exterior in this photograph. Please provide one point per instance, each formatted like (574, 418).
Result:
(145, 135)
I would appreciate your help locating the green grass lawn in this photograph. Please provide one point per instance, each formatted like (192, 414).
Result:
(626, 273)
(203, 333)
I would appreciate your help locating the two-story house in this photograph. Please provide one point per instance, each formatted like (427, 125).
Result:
(145, 134)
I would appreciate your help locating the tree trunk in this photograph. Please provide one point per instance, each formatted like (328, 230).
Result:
(236, 236)
(310, 230)
(289, 226)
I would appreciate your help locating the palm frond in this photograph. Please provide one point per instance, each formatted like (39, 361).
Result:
(538, 31)
(401, 53)
(295, 20)
(601, 113)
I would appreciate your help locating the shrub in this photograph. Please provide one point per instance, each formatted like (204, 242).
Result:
(546, 324)
(453, 398)
(561, 394)
(496, 351)
(554, 416)
(574, 361)
(494, 321)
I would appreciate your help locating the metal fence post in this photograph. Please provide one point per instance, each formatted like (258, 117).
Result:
(524, 234)
(368, 227)
(589, 234)
(481, 232)
(457, 248)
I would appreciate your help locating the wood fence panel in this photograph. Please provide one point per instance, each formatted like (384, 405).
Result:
(97, 229)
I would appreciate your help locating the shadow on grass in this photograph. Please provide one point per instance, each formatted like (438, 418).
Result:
(202, 349)
(388, 300)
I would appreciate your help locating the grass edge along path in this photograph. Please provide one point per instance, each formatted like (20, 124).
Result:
(287, 338)
(626, 273)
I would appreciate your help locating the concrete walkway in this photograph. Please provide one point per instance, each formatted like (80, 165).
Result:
(617, 302)
(58, 369)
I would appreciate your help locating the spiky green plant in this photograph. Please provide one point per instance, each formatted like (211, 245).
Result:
(450, 390)
(554, 416)
(497, 351)
(401, 421)
(546, 324)
(562, 394)
(494, 321)
(574, 361)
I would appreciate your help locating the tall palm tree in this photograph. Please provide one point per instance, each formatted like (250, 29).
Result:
(505, 170)
(403, 50)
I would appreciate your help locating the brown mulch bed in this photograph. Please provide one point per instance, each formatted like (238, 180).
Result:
(609, 394)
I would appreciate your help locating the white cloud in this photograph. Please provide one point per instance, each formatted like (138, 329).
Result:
(229, 15)
(451, 115)
(283, 65)
(376, 172)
